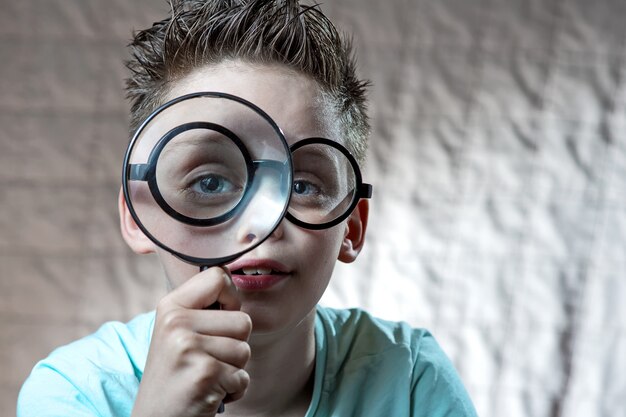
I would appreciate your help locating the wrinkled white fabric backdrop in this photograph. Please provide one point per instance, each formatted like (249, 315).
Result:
(498, 159)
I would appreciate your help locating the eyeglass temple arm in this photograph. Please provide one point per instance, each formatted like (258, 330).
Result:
(365, 191)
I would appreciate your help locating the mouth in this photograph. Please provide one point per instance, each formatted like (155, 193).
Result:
(257, 275)
(256, 271)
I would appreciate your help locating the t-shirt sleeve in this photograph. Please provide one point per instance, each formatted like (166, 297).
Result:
(96, 376)
(48, 393)
(437, 390)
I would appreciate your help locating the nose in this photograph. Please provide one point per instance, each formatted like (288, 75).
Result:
(263, 210)
(246, 238)
(249, 231)
(254, 229)
(279, 231)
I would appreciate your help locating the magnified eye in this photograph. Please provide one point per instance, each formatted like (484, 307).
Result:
(212, 184)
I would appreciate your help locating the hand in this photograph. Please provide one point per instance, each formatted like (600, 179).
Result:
(196, 356)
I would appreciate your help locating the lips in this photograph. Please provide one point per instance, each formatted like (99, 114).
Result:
(258, 274)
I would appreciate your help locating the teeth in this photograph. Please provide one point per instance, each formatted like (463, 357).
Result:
(257, 271)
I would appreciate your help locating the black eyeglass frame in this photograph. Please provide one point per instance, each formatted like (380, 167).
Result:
(147, 172)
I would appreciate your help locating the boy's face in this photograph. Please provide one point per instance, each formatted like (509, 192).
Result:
(301, 261)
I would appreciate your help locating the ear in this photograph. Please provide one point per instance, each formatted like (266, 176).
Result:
(132, 234)
(354, 235)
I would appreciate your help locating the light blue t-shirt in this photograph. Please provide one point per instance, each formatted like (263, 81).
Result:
(365, 367)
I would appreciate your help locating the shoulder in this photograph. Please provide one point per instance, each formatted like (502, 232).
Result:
(114, 347)
(95, 374)
(371, 335)
(413, 375)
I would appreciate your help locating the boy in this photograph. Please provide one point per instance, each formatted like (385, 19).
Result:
(270, 350)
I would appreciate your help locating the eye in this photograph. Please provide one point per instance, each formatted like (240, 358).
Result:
(302, 187)
(212, 184)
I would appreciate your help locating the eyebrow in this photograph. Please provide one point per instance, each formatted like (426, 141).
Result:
(197, 141)
(315, 155)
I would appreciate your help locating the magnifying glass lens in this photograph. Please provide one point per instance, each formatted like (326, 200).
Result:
(207, 177)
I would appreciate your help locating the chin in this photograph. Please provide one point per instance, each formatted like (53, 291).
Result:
(265, 320)
(268, 320)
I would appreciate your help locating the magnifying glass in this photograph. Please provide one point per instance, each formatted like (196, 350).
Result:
(208, 177)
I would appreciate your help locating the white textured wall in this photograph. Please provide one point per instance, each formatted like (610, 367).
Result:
(498, 160)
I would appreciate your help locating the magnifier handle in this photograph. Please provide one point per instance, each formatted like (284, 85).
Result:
(215, 306)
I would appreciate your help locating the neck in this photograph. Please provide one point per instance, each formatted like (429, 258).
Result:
(281, 372)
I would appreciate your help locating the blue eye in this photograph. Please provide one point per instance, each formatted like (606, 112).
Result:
(302, 187)
(213, 184)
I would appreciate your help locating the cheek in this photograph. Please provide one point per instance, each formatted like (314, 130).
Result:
(176, 271)
(321, 258)
(323, 246)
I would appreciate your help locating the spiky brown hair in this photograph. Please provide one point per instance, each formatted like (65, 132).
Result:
(206, 32)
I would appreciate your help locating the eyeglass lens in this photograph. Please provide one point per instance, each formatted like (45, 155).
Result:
(201, 174)
(324, 184)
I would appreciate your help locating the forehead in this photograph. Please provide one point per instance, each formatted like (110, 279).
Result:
(293, 100)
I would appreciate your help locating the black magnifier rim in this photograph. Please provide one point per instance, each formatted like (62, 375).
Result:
(362, 190)
(153, 161)
(194, 260)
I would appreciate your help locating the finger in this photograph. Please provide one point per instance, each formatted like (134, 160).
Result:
(231, 324)
(204, 289)
(184, 327)
(235, 385)
(228, 298)
(225, 349)
(231, 385)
